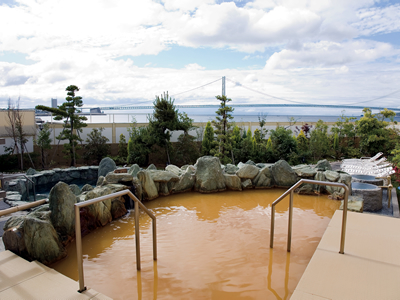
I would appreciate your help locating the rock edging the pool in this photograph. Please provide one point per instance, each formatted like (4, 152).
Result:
(44, 233)
(209, 176)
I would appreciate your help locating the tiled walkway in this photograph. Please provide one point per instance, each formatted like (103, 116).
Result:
(20, 279)
(369, 269)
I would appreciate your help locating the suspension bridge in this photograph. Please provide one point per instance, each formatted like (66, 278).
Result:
(292, 103)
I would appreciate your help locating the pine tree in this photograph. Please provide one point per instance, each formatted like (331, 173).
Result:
(73, 123)
(122, 147)
(166, 119)
(43, 141)
(223, 130)
(208, 140)
(96, 147)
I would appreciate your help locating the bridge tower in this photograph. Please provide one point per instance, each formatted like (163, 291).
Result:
(223, 85)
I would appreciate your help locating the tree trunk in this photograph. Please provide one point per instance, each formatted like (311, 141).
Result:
(72, 151)
(166, 148)
(30, 158)
(42, 159)
(22, 157)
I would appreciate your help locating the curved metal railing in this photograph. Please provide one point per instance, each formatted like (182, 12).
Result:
(78, 235)
(291, 191)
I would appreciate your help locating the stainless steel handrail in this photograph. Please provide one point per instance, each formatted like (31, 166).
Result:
(2, 177)
(291, 191)
(78, 235)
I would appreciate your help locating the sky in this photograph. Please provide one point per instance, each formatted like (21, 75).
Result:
(126, 52)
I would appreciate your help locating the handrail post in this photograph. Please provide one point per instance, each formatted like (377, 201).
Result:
(289, 241)
(271, 237)
(291, 191)
(137, 232)
(344, 219)
(78, 238)
(137, 240)
(154, 239)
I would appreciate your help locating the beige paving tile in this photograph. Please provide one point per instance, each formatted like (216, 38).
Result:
(95, 295)
(299, 295)
(374, 223)
(101, 297)
(90, 293)
(49, 285)
(336, 276)
(364, 243)
(14, 270)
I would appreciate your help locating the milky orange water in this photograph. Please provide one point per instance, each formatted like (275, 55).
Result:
(213, 246)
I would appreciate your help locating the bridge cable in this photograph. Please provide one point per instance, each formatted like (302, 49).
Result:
(197, 87)
(265, 94)
(395, 92)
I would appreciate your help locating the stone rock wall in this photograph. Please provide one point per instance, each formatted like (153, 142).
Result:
(49, 177)
(44, 233)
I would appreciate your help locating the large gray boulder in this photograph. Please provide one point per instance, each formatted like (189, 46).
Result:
(118, 208)
(163, 176)
(174, 169)
(31, 171)
(186, 182)
(101, 213)
(87, 187)
(123, 178)
(247, 184)
(320, 176)
(33, 237)
(346, 179)
(233, 182)
(41, 239)
(283, 174)
(305, 171)
(13, 236)
(231, 169)
(149, 189)
(100, 181)
(323, 165)
(338, 192)
(138, 188)
(264, 179)
(165, 188)
(209, 177)
(106, 165)
(250, 162)
(134, 169)
(306, 189)
(62, 200)
(247, 171)
(75, 189)
(332, 176)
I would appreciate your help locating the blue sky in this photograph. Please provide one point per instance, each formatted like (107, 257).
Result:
(126, 52)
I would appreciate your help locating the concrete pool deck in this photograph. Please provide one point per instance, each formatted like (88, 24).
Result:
(21, 279)
(369, 267)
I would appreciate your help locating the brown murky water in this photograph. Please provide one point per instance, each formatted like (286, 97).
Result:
(213, 246)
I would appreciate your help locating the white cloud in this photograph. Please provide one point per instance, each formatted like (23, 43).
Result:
(330, 54)
(379, 20)
(243, 29)
(109, 29)
(342, 70)
(76, 42)
(194, 67)
(184, 5)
